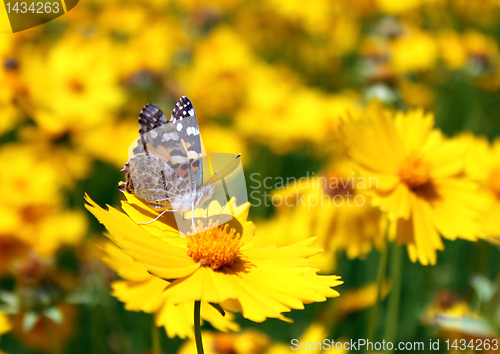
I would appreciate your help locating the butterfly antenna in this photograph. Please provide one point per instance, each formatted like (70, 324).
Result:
(149, 222)
(223, 205)
(229, 164)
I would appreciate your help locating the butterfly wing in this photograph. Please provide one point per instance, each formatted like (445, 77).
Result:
(184, 121)
(150, 178)
(176, 142)
(166, 161)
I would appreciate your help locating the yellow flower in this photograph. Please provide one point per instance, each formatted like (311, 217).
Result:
(141, 291)
(482, 50)
(395, 7)
(109, 142)
(220, 61)
(10, 113)
(483, 13)
(162, 33)
(224, 140)
(452, 49)
(417, 180)
(333, 207)
(219, 265)
(359, 299)
(311, 340)
(483, 165)
(454, 319)
(60, 89)
(416, 94)
(416, 50)
(249, 341)
(211, 5)
(5, 324)
(278, 95)
(315, 17)
(32, 213)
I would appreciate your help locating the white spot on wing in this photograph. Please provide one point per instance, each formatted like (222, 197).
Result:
(179, 127)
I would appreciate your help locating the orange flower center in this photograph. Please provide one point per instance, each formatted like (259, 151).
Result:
(414, 172)
(494, 181)
(215, 247)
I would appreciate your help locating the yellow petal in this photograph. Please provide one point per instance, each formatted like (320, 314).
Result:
(158, 256)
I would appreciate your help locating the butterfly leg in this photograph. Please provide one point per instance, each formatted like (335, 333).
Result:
(192, 218)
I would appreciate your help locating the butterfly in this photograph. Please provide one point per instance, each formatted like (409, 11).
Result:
(166, 169)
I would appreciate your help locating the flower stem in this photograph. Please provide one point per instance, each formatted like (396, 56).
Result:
(372, 325)
(392, 318)
(197, 327)
(49, 330)
(155, 338)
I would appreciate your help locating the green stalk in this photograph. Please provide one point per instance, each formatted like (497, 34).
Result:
(197, 327)
(54, 346)
(380, 280)
(155, 338)
(391, 326)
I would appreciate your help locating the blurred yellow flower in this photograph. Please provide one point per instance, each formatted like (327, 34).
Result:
(313, 340)
(32, 212)
(5, 324)
(414, 51)
(213, 5)
(162, 33)
(248, 341)
(417, 180)
(109, 142)
(482, 13)
(141, 291)
(333, 207)
(219, 265)
(353, 300)
(276, 106)
(315, 17)
(452, 49)
(483, 165)
(218, 139)
(416, 94)
(396, 7)
(454, 319)
(10, 113)
(482, 50)
(472, 50)
(63, 96)
(220, 62)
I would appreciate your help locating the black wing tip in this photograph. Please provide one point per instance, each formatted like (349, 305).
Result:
(148, 105)
(183, 101)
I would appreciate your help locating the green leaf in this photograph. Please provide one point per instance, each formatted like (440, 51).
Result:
(485, 289)
(54, 314)
(30, 319)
